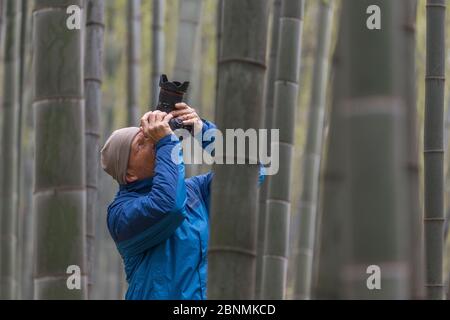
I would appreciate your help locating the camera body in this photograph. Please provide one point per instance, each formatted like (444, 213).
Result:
(170, 93)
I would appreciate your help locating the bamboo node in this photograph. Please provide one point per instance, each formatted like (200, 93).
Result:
(427, 77)
(246, 252)
(95, 23)
(435, 285)
(434, 219)
(433, 151)
(243, 60)
(436, 5)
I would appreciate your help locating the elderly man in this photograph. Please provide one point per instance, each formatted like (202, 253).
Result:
(158, 219)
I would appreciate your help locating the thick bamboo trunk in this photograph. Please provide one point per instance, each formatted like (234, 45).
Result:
(133, 60)
(371, 222)
(268, 124)
(433, 148)
(59, 192)
(375, 108)
(10, 110)
(92, 86)
(157, 48)
(276, 243)
(241, 75)
(304, 247)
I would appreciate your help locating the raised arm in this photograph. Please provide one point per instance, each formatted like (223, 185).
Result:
(139, 222)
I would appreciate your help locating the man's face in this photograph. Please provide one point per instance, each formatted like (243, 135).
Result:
(141, 163)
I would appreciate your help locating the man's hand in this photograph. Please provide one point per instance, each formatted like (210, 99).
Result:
(155, 125)
(188, 115)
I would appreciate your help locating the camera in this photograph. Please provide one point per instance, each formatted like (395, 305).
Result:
(171, 93)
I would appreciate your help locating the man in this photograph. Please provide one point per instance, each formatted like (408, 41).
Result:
(158, 219)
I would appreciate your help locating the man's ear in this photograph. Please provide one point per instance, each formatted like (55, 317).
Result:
(130, 177)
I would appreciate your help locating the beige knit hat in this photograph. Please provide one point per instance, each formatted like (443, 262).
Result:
(116, 152)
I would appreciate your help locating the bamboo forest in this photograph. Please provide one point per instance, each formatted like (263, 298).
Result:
(324, 130)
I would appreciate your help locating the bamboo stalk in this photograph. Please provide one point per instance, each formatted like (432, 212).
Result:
(157, 48)
(241, 75)
(434, 148)
(366, 210)
(188, 38)
(92, 86)
(412, 158)
(304, 247)
(60, 179)
(10, 110)
(133, 60)
(275, 259)
(268, 115)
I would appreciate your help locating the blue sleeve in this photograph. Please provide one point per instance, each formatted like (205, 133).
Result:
(147, 221)
(207, 126)
(202, 185)
(262, 174)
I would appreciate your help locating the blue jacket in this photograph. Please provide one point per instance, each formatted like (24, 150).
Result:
(160, 227)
